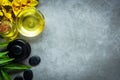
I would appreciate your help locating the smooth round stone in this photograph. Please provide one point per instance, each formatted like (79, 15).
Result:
(28, 75)
(17, 50)
(34, 60)
(18, 78)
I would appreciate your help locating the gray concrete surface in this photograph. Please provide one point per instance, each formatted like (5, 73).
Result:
(81, 40)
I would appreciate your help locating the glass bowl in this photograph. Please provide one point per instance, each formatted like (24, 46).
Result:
(30, 22)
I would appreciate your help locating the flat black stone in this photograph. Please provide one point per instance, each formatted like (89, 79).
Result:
(28, 75)
(34, 60)
(18, 78)
(19, 49)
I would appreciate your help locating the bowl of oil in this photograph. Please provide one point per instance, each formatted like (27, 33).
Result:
(30, 22)
(8, 30)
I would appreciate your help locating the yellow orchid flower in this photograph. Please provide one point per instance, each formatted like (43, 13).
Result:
(5, 3)
(32, 3)
(7, 14)
(9, 8)
(1, 13)
(19, 5)
(5, 11)
(16, 8)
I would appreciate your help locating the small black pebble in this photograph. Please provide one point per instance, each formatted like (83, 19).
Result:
(28, 75)
(18, 78)
(34, 60)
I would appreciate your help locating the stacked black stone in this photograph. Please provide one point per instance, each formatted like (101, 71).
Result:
(19, 49)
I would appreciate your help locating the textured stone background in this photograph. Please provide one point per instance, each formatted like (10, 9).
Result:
(81, 40)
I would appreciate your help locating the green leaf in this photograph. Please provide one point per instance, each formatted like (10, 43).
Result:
(5, 75)
(2, 54)
(6, 60)
(1, 77)
(3, 44)
(12, 66)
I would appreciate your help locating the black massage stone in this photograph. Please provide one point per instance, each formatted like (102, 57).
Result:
(34, 60)
(19, 49)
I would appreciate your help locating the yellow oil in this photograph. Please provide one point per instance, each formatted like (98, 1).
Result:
(30, 22)
(8, 30)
